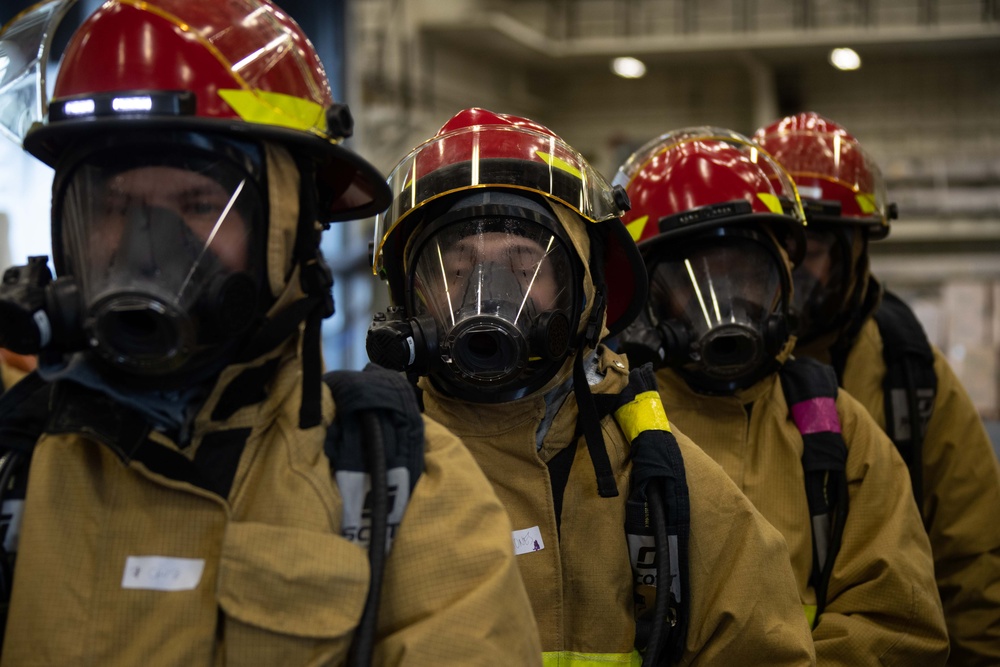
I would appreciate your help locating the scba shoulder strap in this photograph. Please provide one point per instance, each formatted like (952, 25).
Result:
(910, 384)
(390, 398)
(376, 451)
(657, 518)
(810, 390)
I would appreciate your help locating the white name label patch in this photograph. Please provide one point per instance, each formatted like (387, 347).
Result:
(527, 540)
(162, 573)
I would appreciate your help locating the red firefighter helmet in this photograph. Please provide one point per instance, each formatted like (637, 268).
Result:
(694, 179)
(481, 149)
(837, 179)
(241, 67)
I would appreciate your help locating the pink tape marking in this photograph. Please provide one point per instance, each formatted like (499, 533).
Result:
(816, 415)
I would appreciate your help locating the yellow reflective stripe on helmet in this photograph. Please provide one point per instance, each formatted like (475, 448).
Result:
(771, 202)
(866, 202)
(636, 227)
(810, 610)
(571, 659)
(644, 413)
(268, 108)
(559, 163)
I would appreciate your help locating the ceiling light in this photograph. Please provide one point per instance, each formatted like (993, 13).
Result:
(845, 59)
(628, 68)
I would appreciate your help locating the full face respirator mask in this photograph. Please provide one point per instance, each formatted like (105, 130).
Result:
(160, 258)
(492, 300)
(718, 310)
(829, 281)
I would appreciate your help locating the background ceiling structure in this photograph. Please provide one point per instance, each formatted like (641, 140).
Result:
(925, 100)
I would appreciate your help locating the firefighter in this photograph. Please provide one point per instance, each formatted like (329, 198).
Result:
(507, 264)
(181, 508)
(719, 229)
(883, 358)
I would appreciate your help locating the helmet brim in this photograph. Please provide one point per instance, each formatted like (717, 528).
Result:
(350, 187)
(791, 233)
(877, 229)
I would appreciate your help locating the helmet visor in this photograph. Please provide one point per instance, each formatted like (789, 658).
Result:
(490, 156)
(24, 48)
(272, 51)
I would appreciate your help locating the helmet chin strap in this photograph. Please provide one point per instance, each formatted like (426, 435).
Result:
(317, 282)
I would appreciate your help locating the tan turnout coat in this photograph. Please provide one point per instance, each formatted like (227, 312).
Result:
(744, 607)
(882, 603)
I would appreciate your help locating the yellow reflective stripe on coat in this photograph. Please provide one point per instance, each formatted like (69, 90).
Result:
(571, 659)
(644, 413)
(810, 610)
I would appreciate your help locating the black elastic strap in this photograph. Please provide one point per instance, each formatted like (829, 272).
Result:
(276, 330)
(915, 460)
(824, 465)
(841, 502)
(311, 408)
(559, 469)
(218, 457)
(247, 388)
(589, 423)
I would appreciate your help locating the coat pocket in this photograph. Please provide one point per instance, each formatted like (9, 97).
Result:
(288, 595)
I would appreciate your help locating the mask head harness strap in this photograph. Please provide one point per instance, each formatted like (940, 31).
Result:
(588, 416)
(589, 422)
(316, 280)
